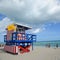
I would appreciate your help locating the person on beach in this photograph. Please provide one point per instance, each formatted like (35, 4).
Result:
(56, 45)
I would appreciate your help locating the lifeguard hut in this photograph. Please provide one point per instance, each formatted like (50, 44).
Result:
(17, 40)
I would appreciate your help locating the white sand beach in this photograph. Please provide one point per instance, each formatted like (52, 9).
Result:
(39, 53)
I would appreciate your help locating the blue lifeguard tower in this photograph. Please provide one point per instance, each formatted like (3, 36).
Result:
(18, 39)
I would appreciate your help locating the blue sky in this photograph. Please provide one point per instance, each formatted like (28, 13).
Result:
(51, 32)
(2, 16)
(42, 15)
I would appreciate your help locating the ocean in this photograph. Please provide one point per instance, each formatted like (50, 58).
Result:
(45, 43)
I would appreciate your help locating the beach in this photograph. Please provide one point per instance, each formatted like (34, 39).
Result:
(39, 53)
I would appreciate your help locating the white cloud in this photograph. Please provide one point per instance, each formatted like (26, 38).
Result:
(31, 11)
(54, 10)
(3, 24)
(38, 30)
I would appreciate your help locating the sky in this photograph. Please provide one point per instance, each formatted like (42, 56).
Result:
(42, 15)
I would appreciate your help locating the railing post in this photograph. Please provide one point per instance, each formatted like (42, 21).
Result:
(32, 45)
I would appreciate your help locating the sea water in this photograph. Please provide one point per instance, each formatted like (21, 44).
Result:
(44, 43)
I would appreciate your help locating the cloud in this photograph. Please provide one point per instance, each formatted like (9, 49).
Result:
(31, 11)
(37, 30)
(3, 24)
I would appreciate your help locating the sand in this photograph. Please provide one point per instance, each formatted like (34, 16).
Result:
(39, 53)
